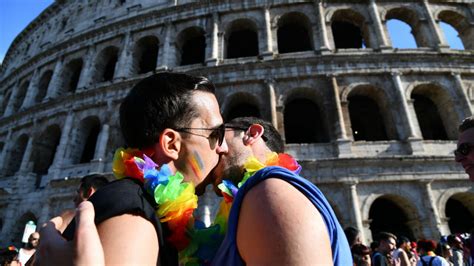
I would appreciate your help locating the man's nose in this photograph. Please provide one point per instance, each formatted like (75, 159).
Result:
(223, 148)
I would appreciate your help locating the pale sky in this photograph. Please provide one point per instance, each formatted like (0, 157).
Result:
(15, 15)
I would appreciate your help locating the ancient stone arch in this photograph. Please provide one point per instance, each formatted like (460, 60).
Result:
(395, 213)
(20, 225)
(435, 112)
(43, 85)
(369, 113)
(15, 156)
(461, 24)
(82, 148)
(349, 29)
(305, 101)
(294, 33)
(20, 96)
(241, 39)
(456, 205)
(191, 44)
(145, 54)
(70, 76)
(44, 149)
(412, 18)
(105, 64)
(241, 104)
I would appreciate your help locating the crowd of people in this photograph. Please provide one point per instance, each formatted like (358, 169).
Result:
(389, 250)
(177, 144)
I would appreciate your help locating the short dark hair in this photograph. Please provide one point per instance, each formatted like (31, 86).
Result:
(358, 252)
(401, 240)
(95, 181)
(466, 124)
(385, 236)
(271, 136)
(162, 100)
(351, 234)
(426, 245)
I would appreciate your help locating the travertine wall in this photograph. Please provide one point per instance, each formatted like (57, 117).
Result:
(53, 90)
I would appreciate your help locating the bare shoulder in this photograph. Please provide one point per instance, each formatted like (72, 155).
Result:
(278, 224)
(129, 239)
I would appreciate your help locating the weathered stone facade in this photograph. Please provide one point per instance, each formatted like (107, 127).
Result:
(369, 148)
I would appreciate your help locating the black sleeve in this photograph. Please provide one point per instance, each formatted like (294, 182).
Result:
(128, 196)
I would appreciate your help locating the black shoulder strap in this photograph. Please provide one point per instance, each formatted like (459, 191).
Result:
(431, 261)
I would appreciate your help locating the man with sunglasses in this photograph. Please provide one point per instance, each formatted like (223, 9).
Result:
(464, 153)
(277, 217)
(173, 119)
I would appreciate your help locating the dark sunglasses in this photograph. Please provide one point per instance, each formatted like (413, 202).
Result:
(216, 136)
(232, 127)
(463, 149)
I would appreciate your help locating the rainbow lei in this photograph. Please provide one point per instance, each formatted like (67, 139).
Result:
(252, 165)
(176, 200)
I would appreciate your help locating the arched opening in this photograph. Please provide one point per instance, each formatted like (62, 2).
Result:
(435, 112)
(451, 35)
(458, 31)
(105, 64)
(43, 86)
(20, 227)
(72, 75)
(243, 110)
(86, 140)
(299, 130)
(460, 213)
(395, 221)
(242, 40)
(20, 97)
(405, 29)
(366, 120)
(401, 34)
(44, 149)
(146, 54)
(294, 33)
(89, 147)
(16, 155)
(348, 30)
(428, 118)
(192, 45)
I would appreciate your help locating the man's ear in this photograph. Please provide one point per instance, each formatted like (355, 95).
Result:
(253, 133)
(169, 143)
(90, 191)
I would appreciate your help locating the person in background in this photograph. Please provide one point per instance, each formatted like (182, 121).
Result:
(464, 153)
(24, 254)
(426, 250)
(402, 254)
(387, 243)
(353, 235)
(361, 255)
(457, 247)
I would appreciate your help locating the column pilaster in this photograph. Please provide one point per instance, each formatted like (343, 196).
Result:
(267, 52)
(63, 143)
(31, 91)
(439, 40)
(344, 144)
(463, 98)
(85, 80)
(322, 31)
(122, 68)
(55, 82)
(11, 101)
(377, 23)
(212, 55)
(270, 84)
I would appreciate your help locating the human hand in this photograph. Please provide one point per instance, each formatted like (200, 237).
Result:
(85, 249)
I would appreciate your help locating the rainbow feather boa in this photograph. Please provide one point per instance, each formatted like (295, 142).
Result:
(176, 200)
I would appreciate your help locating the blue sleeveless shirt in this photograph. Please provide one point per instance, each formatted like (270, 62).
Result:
(228, 253)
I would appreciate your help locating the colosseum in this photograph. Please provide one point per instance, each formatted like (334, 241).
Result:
(381, 122)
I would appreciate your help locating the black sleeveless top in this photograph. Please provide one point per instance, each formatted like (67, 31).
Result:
(128, 196)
